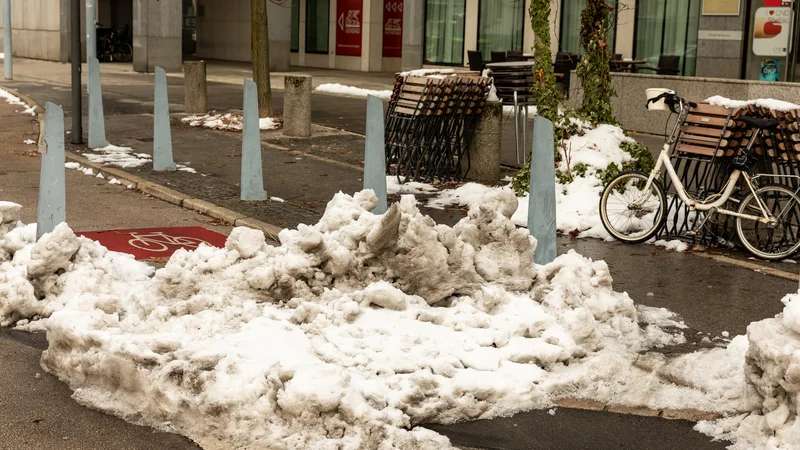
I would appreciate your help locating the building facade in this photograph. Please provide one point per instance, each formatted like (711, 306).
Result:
(741, 39)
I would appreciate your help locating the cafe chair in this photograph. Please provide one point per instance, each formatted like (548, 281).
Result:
(498, 57)
(475, 59)
(513, 55)
(667, 65)
(564, 64)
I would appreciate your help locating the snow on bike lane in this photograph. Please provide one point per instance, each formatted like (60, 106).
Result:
(349, 334)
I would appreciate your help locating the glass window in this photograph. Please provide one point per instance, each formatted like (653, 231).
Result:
(569, 39)
(317, 13)
(500, 26)
(295, 38)
(667, 28)
(444, 32)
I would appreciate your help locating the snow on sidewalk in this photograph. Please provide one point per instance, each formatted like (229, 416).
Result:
(348, 334)
(336, 88)
(14, 100)
(228, 122)
(114, 155)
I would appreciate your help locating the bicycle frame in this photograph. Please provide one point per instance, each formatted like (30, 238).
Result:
(664, 162)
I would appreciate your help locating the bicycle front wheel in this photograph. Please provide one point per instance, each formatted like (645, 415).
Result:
(771, 241)
(631, 213)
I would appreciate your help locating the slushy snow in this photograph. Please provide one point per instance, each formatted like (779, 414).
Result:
(113, 155)
(228, 122)
(336, 88)
(12, 99)
(349, 334)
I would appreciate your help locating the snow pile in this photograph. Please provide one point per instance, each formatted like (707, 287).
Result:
(425, 72)
(28, 142)
(772, 369)
(674, 245)
(228, 122)
(577, 202)
(769, 103)
(113, 155)
(336, 88)
(14, 100)
(341, 337)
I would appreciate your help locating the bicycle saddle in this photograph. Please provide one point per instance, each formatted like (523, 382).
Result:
(756, 122)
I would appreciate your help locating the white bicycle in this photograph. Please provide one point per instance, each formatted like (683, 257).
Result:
(633, 207)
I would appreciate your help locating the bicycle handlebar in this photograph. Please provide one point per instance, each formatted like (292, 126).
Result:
(671, 99)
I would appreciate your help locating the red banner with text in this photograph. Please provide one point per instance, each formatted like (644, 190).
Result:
(349, 14)
(392, 28)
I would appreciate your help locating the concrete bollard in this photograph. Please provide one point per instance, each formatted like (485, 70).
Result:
(97, 121)
(194, 87)
(252, 185)
(52, 187)
(542, 194)
(374, 151)
(484, 150)
(8, 70)
(297, 105)
(162, 136)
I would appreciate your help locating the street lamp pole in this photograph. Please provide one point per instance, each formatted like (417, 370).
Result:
(75, 57)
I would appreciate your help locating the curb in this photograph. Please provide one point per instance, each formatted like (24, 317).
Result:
(36, 107)
(692, 415)
(176, 198)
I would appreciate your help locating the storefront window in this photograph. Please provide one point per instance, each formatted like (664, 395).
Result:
(444, 32)
(569, 36)
(317, 13)
(295, 38)
(668, 28)
(500, 25)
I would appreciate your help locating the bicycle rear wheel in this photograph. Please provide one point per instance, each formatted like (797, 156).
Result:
(122, 52)
(774, 241)
(630, 213)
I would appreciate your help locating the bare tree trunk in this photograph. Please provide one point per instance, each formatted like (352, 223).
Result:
(260, 47)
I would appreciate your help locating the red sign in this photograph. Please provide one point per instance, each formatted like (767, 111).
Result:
(392, 28)
(777, 2)
(348, 27)
(155, 243)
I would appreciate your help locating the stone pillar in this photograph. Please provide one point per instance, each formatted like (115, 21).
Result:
(484, 150)
(194, 87)
(279, 22)
(413, 33)
(157, 35)
(297, 105)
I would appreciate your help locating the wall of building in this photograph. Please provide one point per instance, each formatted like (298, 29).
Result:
(35, 29)
(719, 46)
(223, 31)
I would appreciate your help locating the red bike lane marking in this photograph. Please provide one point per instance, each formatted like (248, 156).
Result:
(148, 243)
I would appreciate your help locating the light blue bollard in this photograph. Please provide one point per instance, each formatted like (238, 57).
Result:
(374, 159)
(91, 31)
(542, 195)
(97, 126)
(162, 137)
(252, 177)
(52, 189)
(7, 67)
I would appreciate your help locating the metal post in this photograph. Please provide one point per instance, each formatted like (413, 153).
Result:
(162, 137)
(75, 59)
(252, 186)
(97, 124)
(542, 194)
(374, 159)
(8, 70)
(52, 188)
